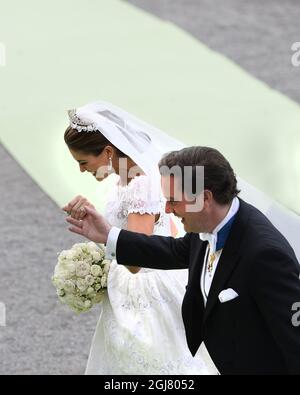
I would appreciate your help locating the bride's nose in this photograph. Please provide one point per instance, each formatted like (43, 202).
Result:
(168, 208)
(82, 168)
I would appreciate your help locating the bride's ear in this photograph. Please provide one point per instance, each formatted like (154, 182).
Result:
(109, 151)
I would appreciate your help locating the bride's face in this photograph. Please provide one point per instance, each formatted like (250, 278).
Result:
(92, 163)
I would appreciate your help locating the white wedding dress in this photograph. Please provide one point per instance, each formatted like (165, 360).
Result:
(140, 330)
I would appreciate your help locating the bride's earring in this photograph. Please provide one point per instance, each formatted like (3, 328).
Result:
(110, 165)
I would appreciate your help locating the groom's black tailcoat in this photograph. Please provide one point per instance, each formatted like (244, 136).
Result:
(254, 333)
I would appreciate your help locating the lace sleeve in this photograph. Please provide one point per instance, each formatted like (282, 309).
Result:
(144, 196)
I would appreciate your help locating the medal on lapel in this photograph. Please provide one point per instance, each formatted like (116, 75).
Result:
(211, 260)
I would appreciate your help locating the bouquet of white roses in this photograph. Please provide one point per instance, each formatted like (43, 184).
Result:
(80, 276)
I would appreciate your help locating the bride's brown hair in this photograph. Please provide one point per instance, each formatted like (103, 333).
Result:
(90, 143)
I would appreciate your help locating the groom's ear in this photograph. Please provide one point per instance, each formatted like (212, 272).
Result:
(208, 197)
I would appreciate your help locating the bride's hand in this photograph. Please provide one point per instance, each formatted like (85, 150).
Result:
(76, 208)
(93, 226)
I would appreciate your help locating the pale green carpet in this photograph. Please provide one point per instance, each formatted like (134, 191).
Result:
(64, 54)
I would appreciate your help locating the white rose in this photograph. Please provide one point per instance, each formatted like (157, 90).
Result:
(104, 281)
(59, 272)
(90, 280)
(96, 256)
(71, 267)
(102, 253)
(96, 270)
(77, 304)
(78, 253)
(69, 286)
(87, 304)
(59, 283)
(81, 284)
(82, 269)
(106, 264)
(69, 299)
(66, 275)
(92, 246)
(78, 246)
(70, 255)
(63, 255)
(88, 259)
(65, 269)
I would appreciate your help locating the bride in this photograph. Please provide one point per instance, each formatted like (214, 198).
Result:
(140, 329)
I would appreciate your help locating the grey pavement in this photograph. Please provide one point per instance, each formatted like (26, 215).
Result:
(42, 337)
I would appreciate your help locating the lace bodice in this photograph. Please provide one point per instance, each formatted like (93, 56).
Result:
(142, 195)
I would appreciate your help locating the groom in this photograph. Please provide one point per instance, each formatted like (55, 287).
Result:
(243, 274)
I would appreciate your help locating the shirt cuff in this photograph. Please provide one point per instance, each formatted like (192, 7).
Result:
(111, 245)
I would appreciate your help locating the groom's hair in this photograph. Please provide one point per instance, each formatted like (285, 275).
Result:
(219, 177)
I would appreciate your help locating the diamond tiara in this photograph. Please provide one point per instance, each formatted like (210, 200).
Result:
(81, 126)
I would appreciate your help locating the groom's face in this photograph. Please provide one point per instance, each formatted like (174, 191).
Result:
(178, 204)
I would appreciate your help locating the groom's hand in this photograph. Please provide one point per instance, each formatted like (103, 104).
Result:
(93, 226)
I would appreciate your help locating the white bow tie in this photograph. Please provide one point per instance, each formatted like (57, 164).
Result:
(212, 241)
